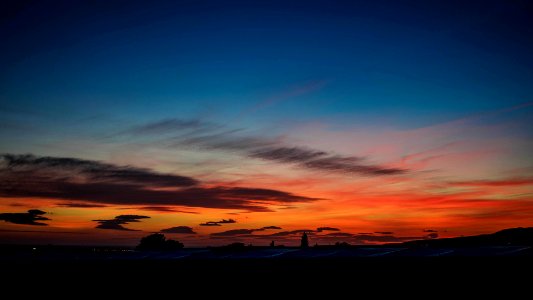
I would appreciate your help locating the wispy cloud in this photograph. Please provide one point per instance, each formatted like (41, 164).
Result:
(268, 148)
(288, 94)
(288, 155)
(272, 149)
(170, 125)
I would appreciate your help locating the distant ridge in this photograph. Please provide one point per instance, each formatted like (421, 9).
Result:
(508, 237)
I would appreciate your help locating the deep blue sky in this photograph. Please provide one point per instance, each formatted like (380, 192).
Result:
(410, 63)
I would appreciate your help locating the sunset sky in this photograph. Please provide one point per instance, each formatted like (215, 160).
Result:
(251, 121)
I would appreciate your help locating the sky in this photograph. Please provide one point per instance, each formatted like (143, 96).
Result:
(214, 122)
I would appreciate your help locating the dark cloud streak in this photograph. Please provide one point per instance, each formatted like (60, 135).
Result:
(89, 170)
(75, 180)
(339, 234)
(320, 229)
(165, 209)
(80, 205)
(179, 230)
(242, 232)
(286, 233)
(27, 218)
(118, 221)
(217, 223)
(271, 227)
(288, 155)
(234, 232)
(320, 160)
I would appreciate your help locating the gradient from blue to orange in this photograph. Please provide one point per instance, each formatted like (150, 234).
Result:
(440, 89)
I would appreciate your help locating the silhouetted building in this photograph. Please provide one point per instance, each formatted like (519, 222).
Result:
(305, 241)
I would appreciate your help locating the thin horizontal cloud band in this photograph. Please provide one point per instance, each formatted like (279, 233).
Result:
(63, 178)
(94, 171)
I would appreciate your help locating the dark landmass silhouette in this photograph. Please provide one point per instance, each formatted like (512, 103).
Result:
(493, 260)
(507, 237)
(513, 241)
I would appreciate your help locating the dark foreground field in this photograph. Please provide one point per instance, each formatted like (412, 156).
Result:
(380, 270)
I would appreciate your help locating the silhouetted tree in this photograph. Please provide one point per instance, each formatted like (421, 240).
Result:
(272, 244)
(305, 241)
(173, 245)
(158, 242)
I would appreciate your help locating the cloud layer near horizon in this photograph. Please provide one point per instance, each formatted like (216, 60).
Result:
(92, 181)
(238, 232)
(317, 235)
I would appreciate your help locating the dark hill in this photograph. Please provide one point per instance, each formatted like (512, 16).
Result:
(507, 237)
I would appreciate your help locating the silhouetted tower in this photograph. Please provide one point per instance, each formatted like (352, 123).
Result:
(272, 244)
(305, 241)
